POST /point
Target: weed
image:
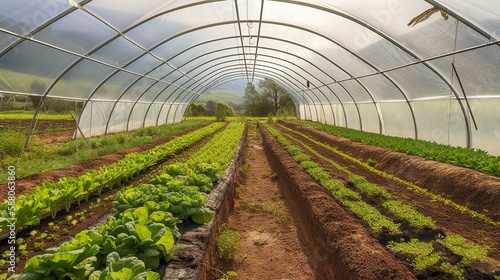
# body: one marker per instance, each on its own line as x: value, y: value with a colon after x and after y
x: 227, y: 275
x: 239, y: 192
x: 421, y: 254
x: 259, y: 242
x: 373, y: 163
x: 469, y: 251
x: 228, y: 243
x: 271, y: 175
x: 10, y: 144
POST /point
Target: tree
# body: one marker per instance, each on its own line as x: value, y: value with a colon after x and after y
x: 270, y: 98
x: 222, y: 111
x: 197, y: 110
x: 37, y: 88
x: 211, y: 106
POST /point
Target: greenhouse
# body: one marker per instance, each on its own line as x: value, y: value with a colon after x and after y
x: 392, y: 139
x: 342, y: 63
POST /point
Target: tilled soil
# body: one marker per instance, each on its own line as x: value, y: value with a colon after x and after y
x: 269, y: 246
x: 448, y: 219
x: 41, y: 125
x: 339, y: 246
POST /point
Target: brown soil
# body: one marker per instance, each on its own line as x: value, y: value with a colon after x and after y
x: 448, y: 219
x: 41, y: 125
x: 269, y: 247
x: 476, y: 190
x: 340, y: 247
x: 55, y: 137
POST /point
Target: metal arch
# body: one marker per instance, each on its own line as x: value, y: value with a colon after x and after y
x: 264, y: 71
x: 310, y: 31
x: 240, y: 73
x: 241, y: 34
x: 201, y: 79
x: 237, y: 66
x: 39, y: 28
x: 471, y: 25
x: 286, y: 61
x: 232, y: 22
x: 276, y: 58
x: 235, y: 47
x: 340, y: 68
x: 292, y: 95
x: 121, y: 34
x: 214, y: 73
x: 291, y: 54
x: 258, y: 37
x: 199, y: 83
x: 397, y: 44
x: 233, y: 77
x: 434, y: 71
x: 317, y: 53
x: 237, y: 77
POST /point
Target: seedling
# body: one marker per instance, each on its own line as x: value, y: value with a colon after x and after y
x: 228, y: 243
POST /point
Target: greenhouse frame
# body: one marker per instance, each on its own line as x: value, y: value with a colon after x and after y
x: 420, y: 69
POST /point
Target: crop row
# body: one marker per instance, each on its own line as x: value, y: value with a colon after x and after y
x: 476, y: 159
x: 144, y: 229
x: 410, y: 186
x: 221, y: 148
x: 468, y: 251
x: 401, y: 210
x: 346, y: 196
x: 49, y: 196
x: 135, y: 239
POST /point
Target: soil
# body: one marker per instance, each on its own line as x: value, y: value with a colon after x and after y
x: 41, y: 125
x: 55, y: 137
x: 448, y: 219
x: 269, y: 245
x: 340, y: 247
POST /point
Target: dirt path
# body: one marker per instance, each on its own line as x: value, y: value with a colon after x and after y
x: 269, y: 245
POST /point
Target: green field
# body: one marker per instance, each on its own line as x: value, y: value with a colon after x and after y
x: 28, y: 115
x: 228, y: 96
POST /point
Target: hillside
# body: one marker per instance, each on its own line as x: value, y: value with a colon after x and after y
x: 226, y: 95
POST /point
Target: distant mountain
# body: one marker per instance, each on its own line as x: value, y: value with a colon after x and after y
x: 223, y: 95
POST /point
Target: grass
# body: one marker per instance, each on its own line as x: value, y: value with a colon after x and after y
x: 228, y: 243
x: 28, y: 115
x: 42, y: 158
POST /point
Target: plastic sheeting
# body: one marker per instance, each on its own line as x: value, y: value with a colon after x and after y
x: 137, y: 64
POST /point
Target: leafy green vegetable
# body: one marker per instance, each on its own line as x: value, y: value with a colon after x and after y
x: 124, y: 268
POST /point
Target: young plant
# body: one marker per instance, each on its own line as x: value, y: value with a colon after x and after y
x: 228, y: 243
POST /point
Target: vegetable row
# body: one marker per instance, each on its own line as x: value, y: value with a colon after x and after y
x: 144, y: 230
x: 476, y: 159
x: 409, y: 185
x: 419, y: 257
x: 134, y: 240
x: 49, y: 196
